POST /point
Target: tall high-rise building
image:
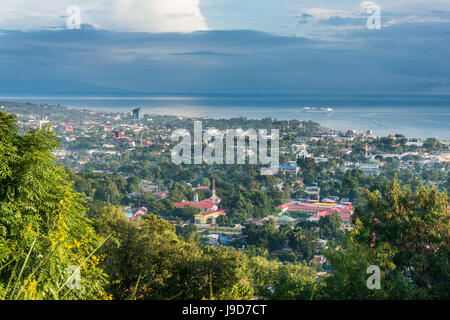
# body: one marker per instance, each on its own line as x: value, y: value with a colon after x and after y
x: 137, y: 113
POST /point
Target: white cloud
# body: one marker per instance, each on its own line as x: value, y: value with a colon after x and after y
x: 132, y: 15
x: 414, y: 6
x: 320, y: 13
x: 392, y: 12
x: 353, y: 7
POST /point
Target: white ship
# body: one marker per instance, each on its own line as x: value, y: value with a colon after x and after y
x: 318, y: 110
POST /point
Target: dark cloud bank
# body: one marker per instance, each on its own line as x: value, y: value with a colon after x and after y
x: 402, y: 59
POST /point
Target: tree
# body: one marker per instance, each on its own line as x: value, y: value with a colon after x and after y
x: 308, y: 167
x: 432, y: 144
x: 146, y: 260
x: 186, y: 212
x: 303, y: 241
x: 133, y: 183
x: 330, y: 227
x: 282, y: 282
x: 407, y: 235
x: 44, y: 231
x: 187, y: 232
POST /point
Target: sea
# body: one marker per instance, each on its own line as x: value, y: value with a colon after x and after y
x: 415, y: 116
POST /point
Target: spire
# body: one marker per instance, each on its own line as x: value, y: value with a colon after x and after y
x: 214, y: 198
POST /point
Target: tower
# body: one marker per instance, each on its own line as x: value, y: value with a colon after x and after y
x: 137, y: 114
x: 196, y: 197
x: 214, y: 197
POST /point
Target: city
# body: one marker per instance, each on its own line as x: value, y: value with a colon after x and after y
x: 224, y: 159
x: 123, y: 160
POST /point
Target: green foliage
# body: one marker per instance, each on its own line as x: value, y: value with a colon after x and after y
x: 432, y: 144
x: 187, y: 232
x: 102, y: 187
x: 303, y: 241
x: 166, y: 266
x: 186, y: 213
x: 265, y: 236
x: 407, y: 235
x: 133, y: 184
x: 330, y: 227
x: 282, y: 282
x: 43, y: 226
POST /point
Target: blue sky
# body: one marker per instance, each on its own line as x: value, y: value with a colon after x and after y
x: 225, y: 46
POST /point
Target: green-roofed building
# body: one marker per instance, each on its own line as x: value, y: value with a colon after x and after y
x: 286, y: 219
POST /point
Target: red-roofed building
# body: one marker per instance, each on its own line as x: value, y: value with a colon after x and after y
x: 209, y: 207
x: 139, y: 212
x: 202, y: 188
x: 206, y: 205
x: 146, y: 143
x: 120, y: 135
x: 318, y: 210
x: 217, y: 212
x: 345, y: 214
x: 209, y: 216
x: 162, y: 194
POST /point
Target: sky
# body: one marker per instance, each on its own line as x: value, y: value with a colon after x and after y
x: 225, y: 46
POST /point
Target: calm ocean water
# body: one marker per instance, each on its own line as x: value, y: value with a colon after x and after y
x: 413, y: 116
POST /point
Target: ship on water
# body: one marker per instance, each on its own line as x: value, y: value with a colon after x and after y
x: 318, y: 110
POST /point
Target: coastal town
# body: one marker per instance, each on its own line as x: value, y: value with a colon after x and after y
x: 225, y: 159
x: 129, y: 146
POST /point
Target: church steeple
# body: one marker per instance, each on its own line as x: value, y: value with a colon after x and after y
x: 214, y: 197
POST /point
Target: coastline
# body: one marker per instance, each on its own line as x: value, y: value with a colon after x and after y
x: 415, y: 117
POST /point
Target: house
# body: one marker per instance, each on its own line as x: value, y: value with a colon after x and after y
x: 303, y: 153
x: 344, y: 213
x: 319, y: 260
x: 134, y: 195
x: 285, y: 220
x: 321, y: 244
x: 139, y: 212
x: 346, y: 151
x: 320, y: 160
x: 370, y: 169
x: 209, y: 217
x: 162, y: 194
x: 289, y: 169
x: 298, y: 147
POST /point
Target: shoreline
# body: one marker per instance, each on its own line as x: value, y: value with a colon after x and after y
x: 413, y: 122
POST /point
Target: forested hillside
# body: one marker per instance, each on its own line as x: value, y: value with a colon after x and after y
x: 47, y: 230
